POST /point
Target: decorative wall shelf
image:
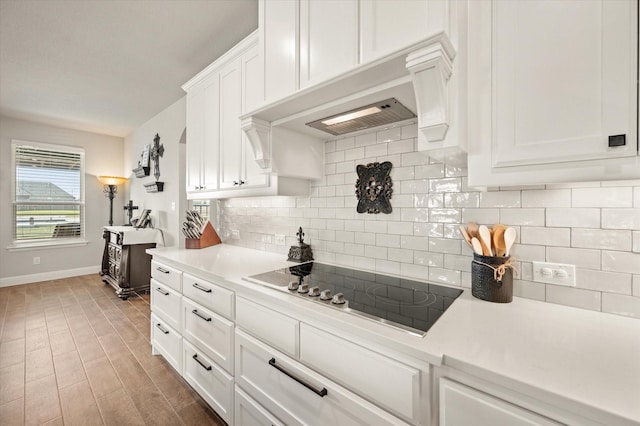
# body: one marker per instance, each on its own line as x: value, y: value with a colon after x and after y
x: 154, y: 186
x: 141, y: 171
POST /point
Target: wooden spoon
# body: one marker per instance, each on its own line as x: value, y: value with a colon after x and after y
x: 477, y: 247
x: 465, y: 235
x: 509, y: 238
x: 498, y: 239
x: 472, y: 229
x: 485, y: 239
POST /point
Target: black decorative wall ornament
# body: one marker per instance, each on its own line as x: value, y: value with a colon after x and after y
x: 373, y: 188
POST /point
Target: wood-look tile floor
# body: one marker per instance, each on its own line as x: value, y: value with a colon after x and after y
x: 73, y: 353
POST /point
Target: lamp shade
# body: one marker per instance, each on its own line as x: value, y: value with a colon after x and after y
x: 111, y: 180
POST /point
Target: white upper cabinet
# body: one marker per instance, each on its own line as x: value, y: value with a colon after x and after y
x: 230, y: 131
x: 202, y: 136
x: 552, y: 91
x: 388, y: 25
x: 278, y: 33
x: 328, y: 39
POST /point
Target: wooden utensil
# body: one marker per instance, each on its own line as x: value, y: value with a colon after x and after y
x: 509, y: 238
x: 465, y: 235
x: 477, y: 247
x: 498, y: 239
x: 485, y: 240
x: 472, y: 229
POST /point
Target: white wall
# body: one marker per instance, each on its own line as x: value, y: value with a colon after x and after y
x: 103, y: 156
x: 595, y: 226
x: 167, y: 207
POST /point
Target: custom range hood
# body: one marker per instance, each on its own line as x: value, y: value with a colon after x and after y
x: 407, y: 84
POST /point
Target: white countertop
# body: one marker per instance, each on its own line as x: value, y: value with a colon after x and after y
x: 132, y: 235
x: 553, y: 352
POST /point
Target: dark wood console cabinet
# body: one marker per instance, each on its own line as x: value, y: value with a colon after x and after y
x: 125, y: 264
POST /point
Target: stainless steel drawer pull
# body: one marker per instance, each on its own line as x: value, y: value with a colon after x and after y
x: 206, y: 367
x: 164, y: 271
x: 322, y: 392
x: 162, y: 328
x: 199, y: 287
x: 161, y: 291
x: 198, y: 314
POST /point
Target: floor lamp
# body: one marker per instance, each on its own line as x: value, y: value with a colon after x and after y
x: 110, y: 189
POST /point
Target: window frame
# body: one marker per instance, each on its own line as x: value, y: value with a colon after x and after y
x: 17, y: 244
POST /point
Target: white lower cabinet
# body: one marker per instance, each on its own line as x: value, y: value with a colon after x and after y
x: 296, y: 394
x: 248, y: 412
x: 211, y: 333
x: 461, y: 405
x: 166, y: 341
x: 210, y: 381
x: 166, y: 303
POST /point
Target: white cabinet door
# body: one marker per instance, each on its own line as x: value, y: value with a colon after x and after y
x: 461, y: 405
x: 278, y: 22
x: 230, y: 131
x: 203, y: 117
x: 328, y: 39
x: 552, y: 90
x: 390, y: 25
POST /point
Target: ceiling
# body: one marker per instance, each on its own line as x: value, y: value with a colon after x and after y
x: 108, y: 66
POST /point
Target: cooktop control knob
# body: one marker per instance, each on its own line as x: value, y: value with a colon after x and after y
x: 293, y: 285
x: 338, y: 299
x: 303, y: 288
x: 325, y: 294
x: 314, y: 292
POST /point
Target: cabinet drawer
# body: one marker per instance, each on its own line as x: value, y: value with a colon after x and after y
x: 213, y: 384
x: 363, y: 371
x: 166, y: 275
x: 209, y: 295
x: 462, y: 405
x: 165, y: 303
x: 294, y: 393
x: 167, y: 342
x: 249, y: 413
x: 209, y: 332
x: 276, y: 329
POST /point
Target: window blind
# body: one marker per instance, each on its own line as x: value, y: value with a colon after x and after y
x: 48, y: 192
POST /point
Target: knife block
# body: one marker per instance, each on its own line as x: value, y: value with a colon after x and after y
x: 208, y: 238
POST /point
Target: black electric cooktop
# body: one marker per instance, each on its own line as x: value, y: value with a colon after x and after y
x: 413, y: 306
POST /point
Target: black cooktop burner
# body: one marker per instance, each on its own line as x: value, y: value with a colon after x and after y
x: 411, y: 305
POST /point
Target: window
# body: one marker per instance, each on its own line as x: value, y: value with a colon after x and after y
x: 47, y: 193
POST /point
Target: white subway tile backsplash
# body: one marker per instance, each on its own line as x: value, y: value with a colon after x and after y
x: 445, y: 185
x: 500, y: 199
x: 594, y: 225
x: 610, y: 282
x: 601, y: 239
x: 428, y: 229
x: 347, y: 143
x: 573, y: 218
x: 621, y: 261
x: 545, y: 236
x: 582, y: 258
x: 602, y: 197
x: 547, y: 198
x: 525, y: 217
x: 621, y: 305
x: 621, y: 219
x: 579, y: 298
x: 428, y: 258
x: 387, y: 135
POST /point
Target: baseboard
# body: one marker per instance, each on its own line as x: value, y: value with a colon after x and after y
x: 46, y: 276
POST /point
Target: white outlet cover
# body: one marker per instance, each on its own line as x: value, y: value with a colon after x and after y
x: 561, y: 274
x: 280, y: 240
x: 235, y: 234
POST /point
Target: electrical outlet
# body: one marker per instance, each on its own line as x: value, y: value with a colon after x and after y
x: 280, y: 240
x: 554, y: 273
x: 235, y: 234
x: 36, y: 260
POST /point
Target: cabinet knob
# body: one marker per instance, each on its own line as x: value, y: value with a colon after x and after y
x: 242, y: 182
x: 235, y: 183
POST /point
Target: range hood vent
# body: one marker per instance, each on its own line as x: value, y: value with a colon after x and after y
x: 373, y: 115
